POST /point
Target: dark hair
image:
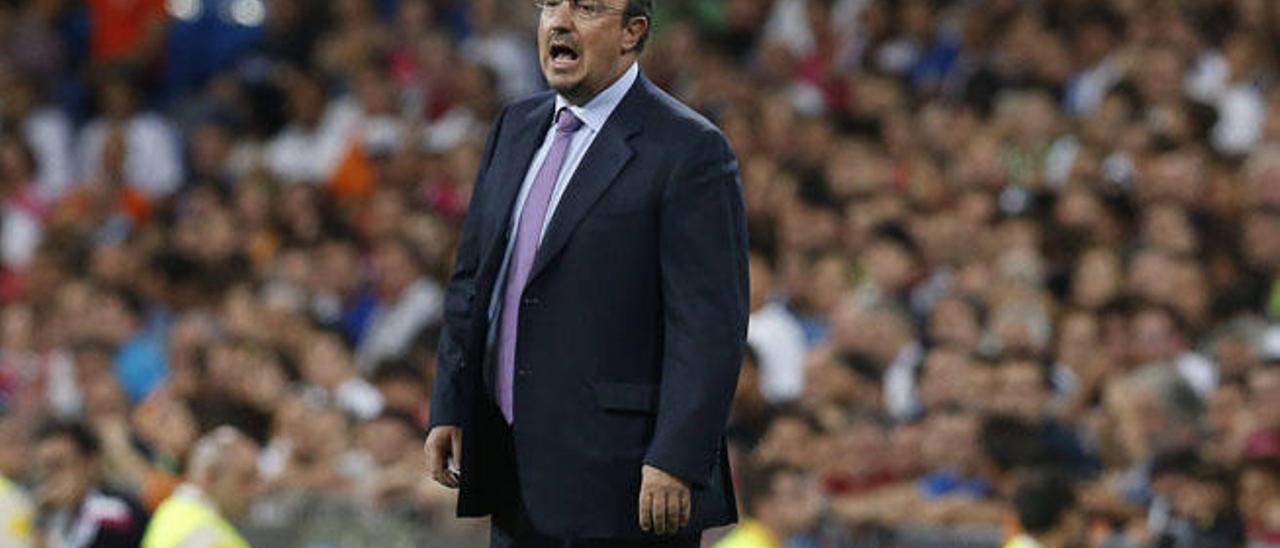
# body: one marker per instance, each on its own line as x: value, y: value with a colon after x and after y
x: 897, y: 234
x: 80, y: 436
x: 639, y: 8
x: 1042, y: 499
x: 1183, y: 461
x: 1268, y: 465
x: 1011, y: 443
x: 861, y: 365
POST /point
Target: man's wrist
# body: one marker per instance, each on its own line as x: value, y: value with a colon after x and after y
x: 682, y: 476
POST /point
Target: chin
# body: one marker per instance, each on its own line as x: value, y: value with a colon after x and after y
x: 563, y: 84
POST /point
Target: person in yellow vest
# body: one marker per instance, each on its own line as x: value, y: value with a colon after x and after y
x: 222, y: 481
x: 782, y: 505
x: 1045, y: 504
x: 17, y: 516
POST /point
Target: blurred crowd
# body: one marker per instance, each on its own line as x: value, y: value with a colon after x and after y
x: 1013, y: 270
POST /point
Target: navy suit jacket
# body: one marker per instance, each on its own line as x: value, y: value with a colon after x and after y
x: 632, y: 323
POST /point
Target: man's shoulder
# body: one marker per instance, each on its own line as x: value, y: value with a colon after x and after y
x: 666, y: 112
x: 669, y: 117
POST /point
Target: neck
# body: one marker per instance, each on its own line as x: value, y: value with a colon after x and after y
x: 581, y: 96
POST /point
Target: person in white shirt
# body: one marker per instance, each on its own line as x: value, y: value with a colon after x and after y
x: 46, y: 129
x: 776, y: 336
x: 312, y: 143
x: 21, y: 205
x: 407, y: 303
x: 153, y: 157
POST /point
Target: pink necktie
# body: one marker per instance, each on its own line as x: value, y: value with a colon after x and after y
x: 528, y: 233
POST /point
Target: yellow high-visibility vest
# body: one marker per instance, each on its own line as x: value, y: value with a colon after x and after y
x: 16, y: 516
x: 1022, y: 541
x: 749, y: 534
x: 188, y: 516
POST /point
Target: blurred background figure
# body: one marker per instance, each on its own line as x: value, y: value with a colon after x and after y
x: 1047, y: 513
x: 75, y: 507
x: 781, y: 505
x: 987, y: 237
x: 221, y: 483
x: 17, y: 511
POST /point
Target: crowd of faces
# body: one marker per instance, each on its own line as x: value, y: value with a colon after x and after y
x: 988, y: 238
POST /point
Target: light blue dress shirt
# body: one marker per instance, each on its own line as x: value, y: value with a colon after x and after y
x: 594, y: 114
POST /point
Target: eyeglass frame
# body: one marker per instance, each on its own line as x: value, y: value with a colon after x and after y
x: 575, y: 7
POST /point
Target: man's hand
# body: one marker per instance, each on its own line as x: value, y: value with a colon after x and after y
x: 444, y: 443
x: 665, y: 503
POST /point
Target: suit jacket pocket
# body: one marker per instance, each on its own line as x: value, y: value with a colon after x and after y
x: 627, y: 396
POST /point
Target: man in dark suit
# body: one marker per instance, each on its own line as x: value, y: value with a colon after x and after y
x: 596, y: 317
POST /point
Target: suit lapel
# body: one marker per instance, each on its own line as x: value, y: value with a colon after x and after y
x: 597, y: 171
x: 510, y: 175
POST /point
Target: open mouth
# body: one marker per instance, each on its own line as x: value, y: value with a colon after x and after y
x: 563, y: 55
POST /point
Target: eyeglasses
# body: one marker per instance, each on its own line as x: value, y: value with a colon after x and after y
x: 583, y: 10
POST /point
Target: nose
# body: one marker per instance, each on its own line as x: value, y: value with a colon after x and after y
x: 559, y: 18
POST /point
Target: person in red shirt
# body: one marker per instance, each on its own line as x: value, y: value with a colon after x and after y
x: 130, y: 32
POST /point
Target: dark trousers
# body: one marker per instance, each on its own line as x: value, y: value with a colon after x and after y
x: 511, y: 527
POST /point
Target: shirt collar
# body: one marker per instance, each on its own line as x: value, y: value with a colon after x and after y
x: 596, y: 112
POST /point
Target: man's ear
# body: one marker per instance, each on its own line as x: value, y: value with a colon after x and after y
x: 633, y: 31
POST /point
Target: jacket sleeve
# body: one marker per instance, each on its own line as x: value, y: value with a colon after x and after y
x: 703, y: 255
x: 450, y: 393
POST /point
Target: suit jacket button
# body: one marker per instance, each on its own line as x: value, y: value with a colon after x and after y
x: 522, y: 373
x: 531, y: 301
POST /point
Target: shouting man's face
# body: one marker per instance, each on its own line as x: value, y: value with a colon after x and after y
x: 584, y: 45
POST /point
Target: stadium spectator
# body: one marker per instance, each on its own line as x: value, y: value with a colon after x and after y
x: 127, y: 33
x: 1258, y: 499
x: 46, y: 128
x: 237, y: 213
x: 24, y: 208
x: 393, y: 442
x: 221, y: 482
x: 76, y: 509
x: 398, y: 381
x: 1205, y: 513
x: 782, y: 506
x: 150, y: 159
x: 407, y: 302
x: 775, y: 334
x: 17, y: 510
x: 1048, y: 513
